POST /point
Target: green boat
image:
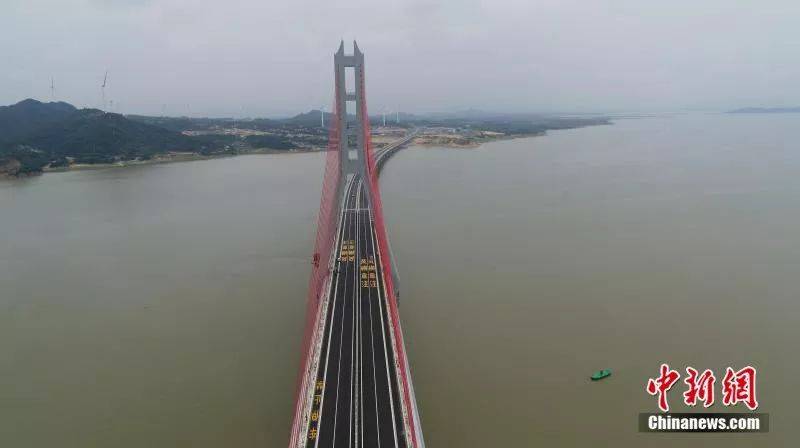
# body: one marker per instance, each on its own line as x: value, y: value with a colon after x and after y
x: 600, y: 374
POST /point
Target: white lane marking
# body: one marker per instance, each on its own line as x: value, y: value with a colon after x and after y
x: 341, y: 337
x: 360, y: 329
x: 353, y: 340
x: 342, y: 220
x: 361, y: 251
x: 374, y: 369
x: 356, y: 328
x: 383, y: 332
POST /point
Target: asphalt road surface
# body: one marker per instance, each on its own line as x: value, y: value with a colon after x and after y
x: 356, y: 398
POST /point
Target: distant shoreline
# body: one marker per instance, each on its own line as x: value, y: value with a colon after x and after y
x: 38, y: 137
x: 460, y: 142
x: 766, y: 110
x: 173, y: 157
x: 451, y: 141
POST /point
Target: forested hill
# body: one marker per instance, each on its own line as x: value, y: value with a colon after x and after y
x: 27, y: 117
x: 34, y: 135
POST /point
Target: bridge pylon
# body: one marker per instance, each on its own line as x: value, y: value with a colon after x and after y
x: 352, y: 151
x: 352, y: 122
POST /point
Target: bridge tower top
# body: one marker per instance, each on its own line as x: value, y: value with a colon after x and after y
x: 350, y: 111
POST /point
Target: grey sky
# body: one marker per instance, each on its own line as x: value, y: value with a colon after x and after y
x: 268, y: 57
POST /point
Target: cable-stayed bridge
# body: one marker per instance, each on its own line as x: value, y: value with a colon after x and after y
x: 354, y: 384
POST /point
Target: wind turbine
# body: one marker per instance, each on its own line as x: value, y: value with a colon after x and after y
x: 240, y: 117
x: 103, y: 90
x: 52, y: 89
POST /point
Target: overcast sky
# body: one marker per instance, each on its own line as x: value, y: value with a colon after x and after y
x: 274, y: 57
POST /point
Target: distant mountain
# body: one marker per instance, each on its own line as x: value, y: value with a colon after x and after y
x: 94, y: 135
x: 766, y: 110
x: 468, y: 114
x: 307, y: 120
x: 310, y: 118
x: 28, y: 116
x: 36, y: 134
x: 180, y: 124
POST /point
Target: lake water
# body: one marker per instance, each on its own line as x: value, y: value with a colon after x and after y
x: 162, y: 305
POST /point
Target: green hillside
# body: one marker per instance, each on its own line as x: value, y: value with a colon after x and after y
x: 34, y: 135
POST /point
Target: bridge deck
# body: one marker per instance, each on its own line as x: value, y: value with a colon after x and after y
x: 356, y: 401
